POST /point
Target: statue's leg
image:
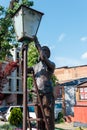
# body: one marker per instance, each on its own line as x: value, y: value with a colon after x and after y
x: 48, y: 103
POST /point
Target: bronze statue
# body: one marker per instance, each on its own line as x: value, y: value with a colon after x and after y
x: 43, y: 71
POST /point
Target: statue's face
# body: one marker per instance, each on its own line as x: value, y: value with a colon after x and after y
x: 46, y: 51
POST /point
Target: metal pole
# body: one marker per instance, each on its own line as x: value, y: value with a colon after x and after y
x: 25, y: 47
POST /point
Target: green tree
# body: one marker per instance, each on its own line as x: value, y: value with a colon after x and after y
x: 32, y: 60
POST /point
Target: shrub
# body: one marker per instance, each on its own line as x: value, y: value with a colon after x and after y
x: 16, y: 117
x: 60, y: 118
x: 60, y: 115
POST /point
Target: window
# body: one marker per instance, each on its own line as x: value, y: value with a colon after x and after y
x: 10, y: 84
x: 60, y: 92
x: 17, y: 84
x: 17, y: 55
x: 18, y: 71
x: 83, y: 93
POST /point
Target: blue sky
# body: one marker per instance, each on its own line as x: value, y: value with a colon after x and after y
x: 64, y: 29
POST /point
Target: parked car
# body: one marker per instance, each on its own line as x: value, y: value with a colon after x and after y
x: 1, y: 117
x: 57, y: 109
x: 2, y: 112
x: 3, y: 109
x: 30, y: 110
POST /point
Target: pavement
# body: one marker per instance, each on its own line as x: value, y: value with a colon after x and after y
x: 66, y: 126
x: 2, y: 122
x: 61, y: 126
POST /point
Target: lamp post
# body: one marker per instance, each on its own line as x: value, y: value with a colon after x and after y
x: 26, y: 23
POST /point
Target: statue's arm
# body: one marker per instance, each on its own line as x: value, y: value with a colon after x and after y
x: 50, y: 65
x: 37, y: 44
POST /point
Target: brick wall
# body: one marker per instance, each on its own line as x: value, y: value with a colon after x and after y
x: 65, y: 74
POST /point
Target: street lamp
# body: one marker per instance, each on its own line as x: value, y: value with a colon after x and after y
x: 26, y: 23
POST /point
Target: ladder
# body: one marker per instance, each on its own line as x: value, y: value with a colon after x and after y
x: 44, y: 119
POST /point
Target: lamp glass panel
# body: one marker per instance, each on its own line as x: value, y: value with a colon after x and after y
x: 31, y: 22
x: 18, y: 24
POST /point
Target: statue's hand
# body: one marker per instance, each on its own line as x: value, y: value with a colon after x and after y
x: 35, y: 39
x: 42, y: 55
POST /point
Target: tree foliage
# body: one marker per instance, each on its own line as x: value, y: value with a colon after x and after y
x: 4, y: 72
x: 6, y: 33
x: 32, y: 60
x: 54, y: 80
x: 32, y: 54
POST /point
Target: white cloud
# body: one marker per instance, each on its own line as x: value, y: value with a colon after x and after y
x: 84, y: 56
x: 61, y: 37
x: 83, y: 39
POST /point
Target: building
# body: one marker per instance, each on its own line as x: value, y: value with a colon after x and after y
x: 80, y: 108
x: 13, y: 88
x: 68, y: 79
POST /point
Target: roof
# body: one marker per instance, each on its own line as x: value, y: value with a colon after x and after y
x: 71, y: 66
x: 75, y: 82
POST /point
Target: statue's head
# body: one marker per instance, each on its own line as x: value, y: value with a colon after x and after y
x: 46, y: 50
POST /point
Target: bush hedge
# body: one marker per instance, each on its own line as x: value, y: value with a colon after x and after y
x: 16, y: 117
